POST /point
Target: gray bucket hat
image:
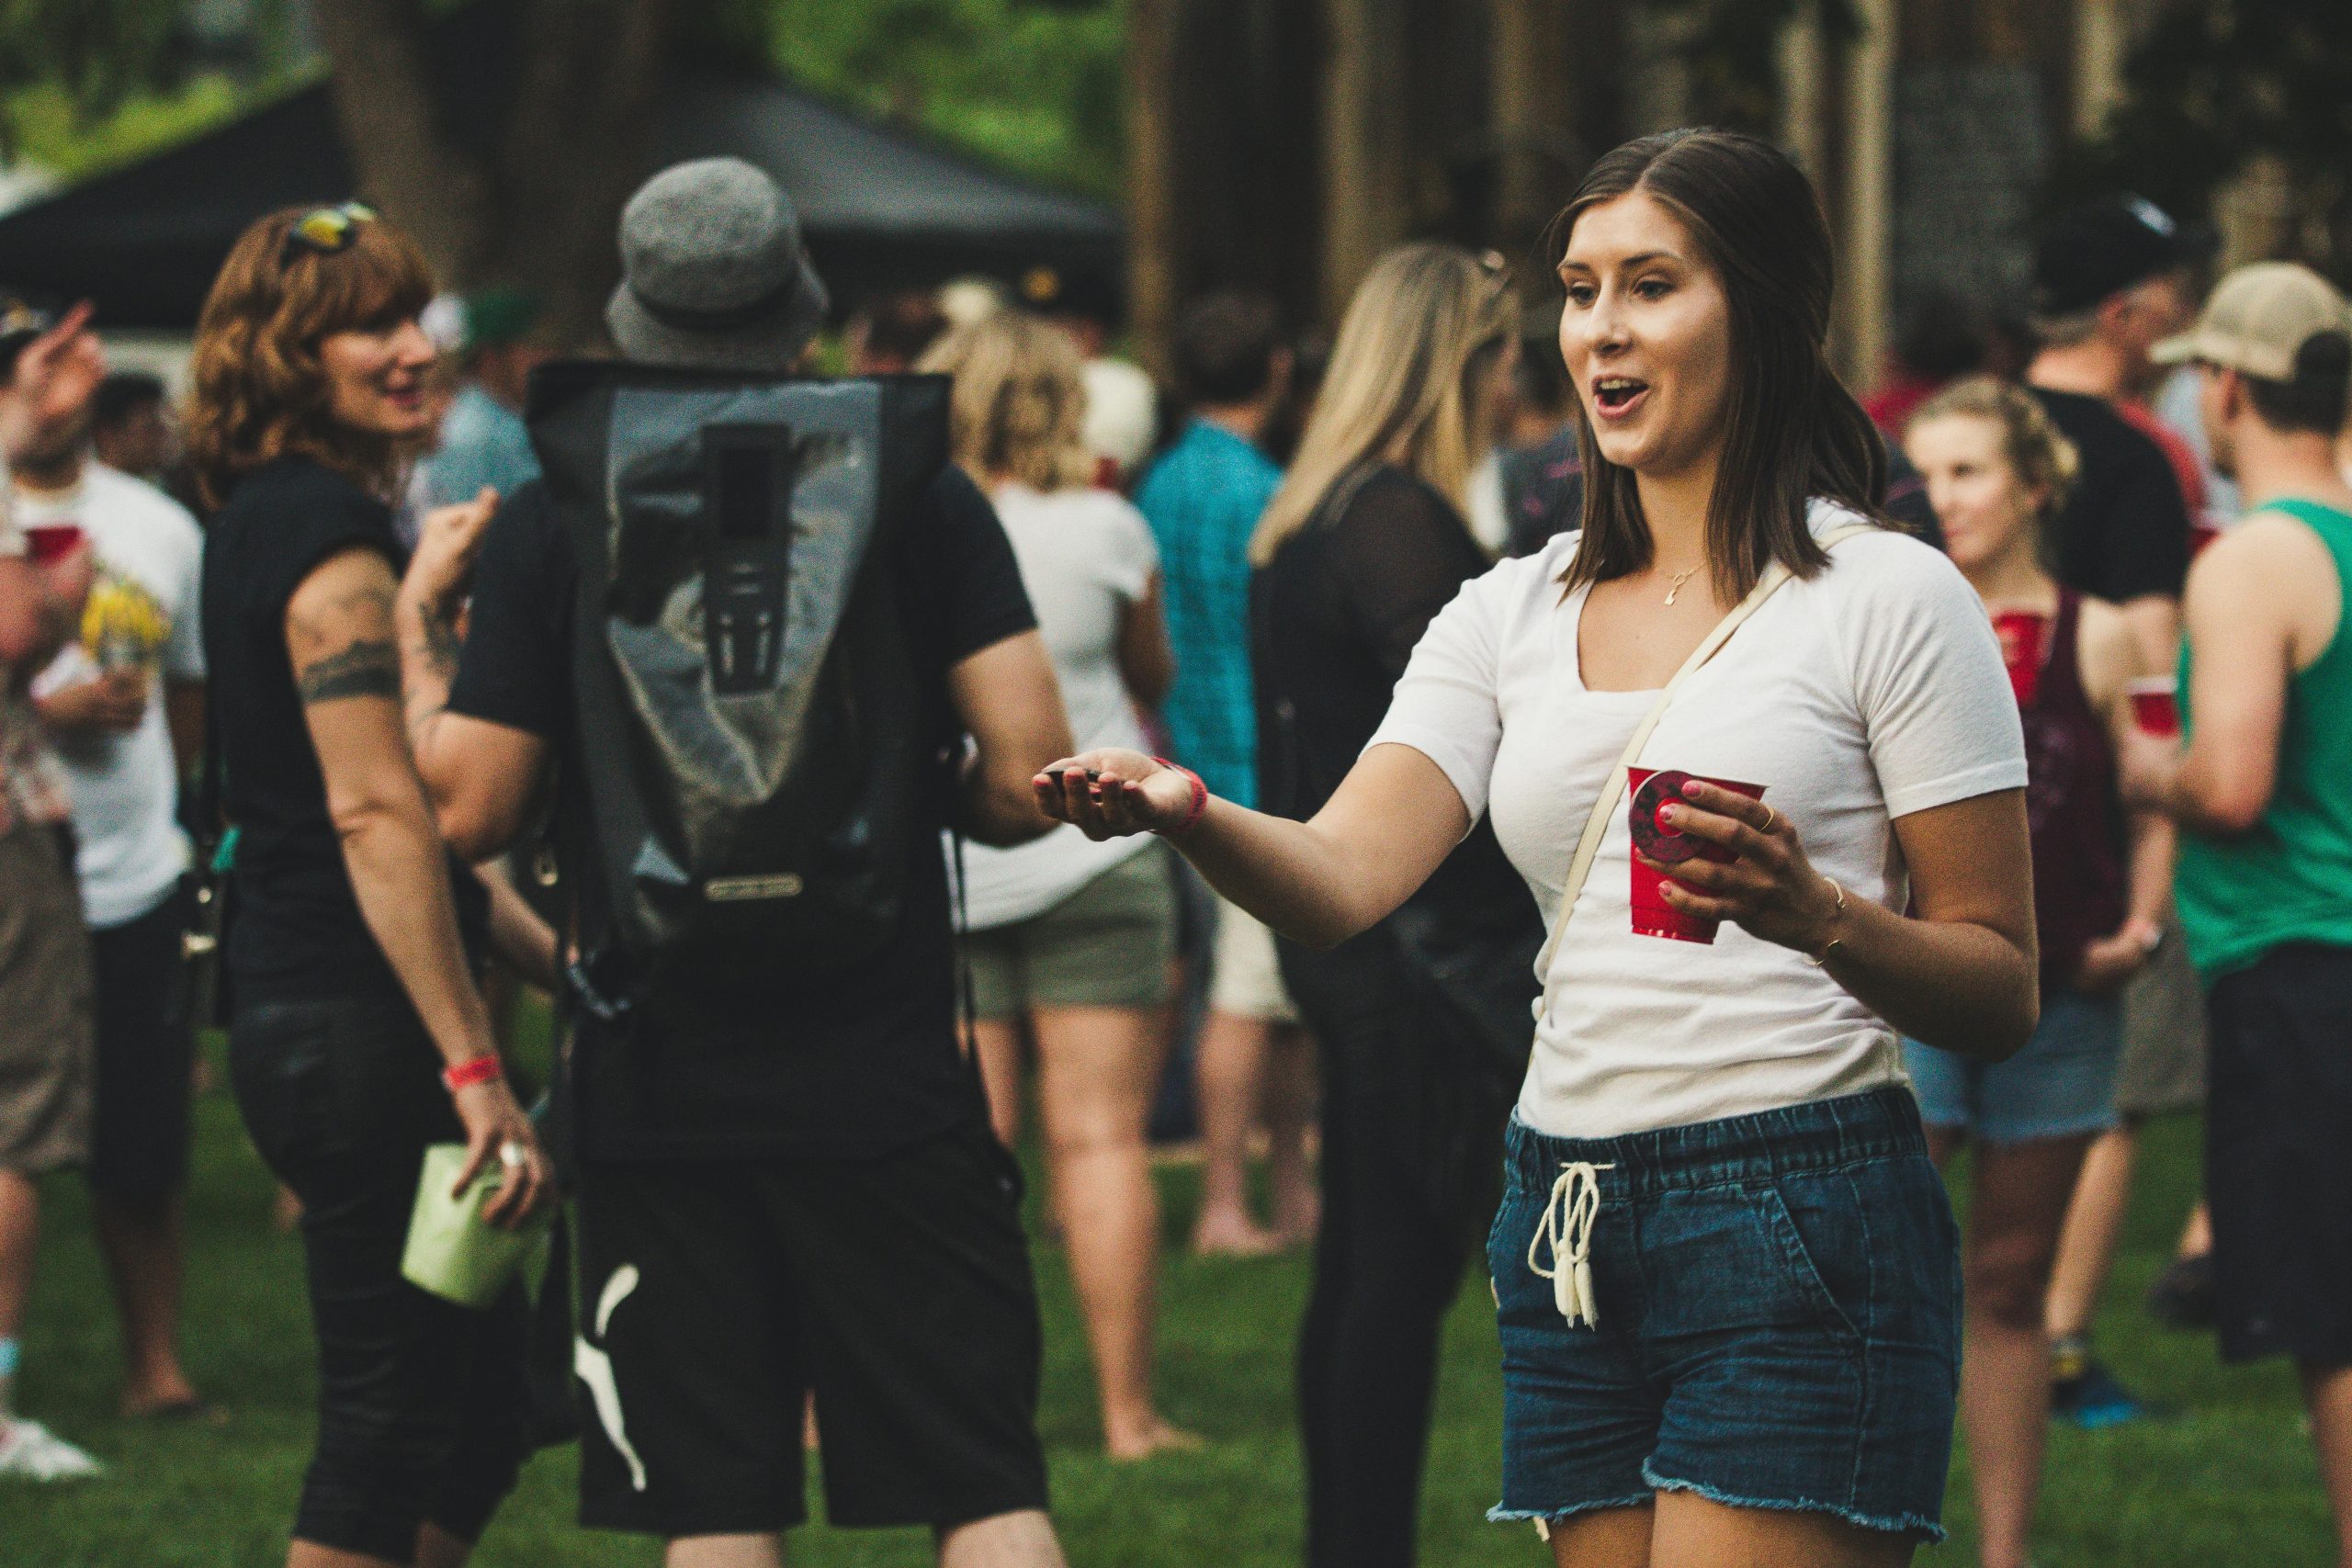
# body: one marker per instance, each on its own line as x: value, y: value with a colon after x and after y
x: 713, y: 272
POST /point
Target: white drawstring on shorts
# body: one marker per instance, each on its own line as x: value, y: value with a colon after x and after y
x: 1566, y: 1228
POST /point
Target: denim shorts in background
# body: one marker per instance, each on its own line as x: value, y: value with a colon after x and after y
x: 2061, y: 1086
x: 1778, y: 1304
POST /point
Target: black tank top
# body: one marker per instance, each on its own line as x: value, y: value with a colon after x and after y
x: 2071, y: 807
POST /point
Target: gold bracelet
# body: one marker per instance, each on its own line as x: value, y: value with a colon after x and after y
x: 1818, y: 959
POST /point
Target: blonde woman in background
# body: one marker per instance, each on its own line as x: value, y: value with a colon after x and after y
x: 1366, y: 540
x: 1071, y: 937
x: 1998, y: 470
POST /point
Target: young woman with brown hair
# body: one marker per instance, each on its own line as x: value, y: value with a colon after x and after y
x: 358, y: 1035
x: 1727, y: 1273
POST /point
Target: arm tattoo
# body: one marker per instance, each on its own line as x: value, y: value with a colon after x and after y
x: 441, y: 644
x: 363, y: 669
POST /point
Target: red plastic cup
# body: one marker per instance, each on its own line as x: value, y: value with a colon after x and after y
x: 1653, y: 916
x: 53, y: 541
x: 2025, y: 639
x: 2155, y: 704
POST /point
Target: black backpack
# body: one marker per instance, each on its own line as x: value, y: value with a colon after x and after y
x: 750, y: 717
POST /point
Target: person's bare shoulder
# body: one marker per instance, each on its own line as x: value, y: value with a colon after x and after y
x: 2107, y: 652
x: 2271, y: 571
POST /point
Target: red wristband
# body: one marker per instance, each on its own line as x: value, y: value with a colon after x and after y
x: 465, y: 1075
x: 1200, y: 800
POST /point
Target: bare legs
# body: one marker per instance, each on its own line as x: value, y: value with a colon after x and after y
x: 1250, y: 1067
x: 2094, y: 1227
x: 2327, y: 1395
x: 724, y: 1551
x: 2014, y: 1221
x: 1025, y: 1539
x: 19, y: 1227
x: 1098, y: 1069
x: 1682, y: 1529
x: 141, y: 1239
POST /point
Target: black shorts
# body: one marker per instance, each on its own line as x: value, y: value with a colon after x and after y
x: 2279, y: 1156
x: 139, y: 1138
x: 713, y: 1295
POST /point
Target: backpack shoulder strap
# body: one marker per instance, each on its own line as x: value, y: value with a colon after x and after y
x: 1612, y: 788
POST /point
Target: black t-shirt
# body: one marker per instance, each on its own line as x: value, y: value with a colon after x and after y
x: 838, y: 1063
x: 297, y: 932
x: 2123, y: 533
x: 1334, y: 619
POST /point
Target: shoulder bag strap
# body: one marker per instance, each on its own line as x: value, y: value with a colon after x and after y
x: 1612, y: 788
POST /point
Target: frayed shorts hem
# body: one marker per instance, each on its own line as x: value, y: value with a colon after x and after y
x: 1928, y: 1529
x: 1498, y: 1514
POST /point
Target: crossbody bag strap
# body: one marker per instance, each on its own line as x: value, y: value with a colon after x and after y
x: 1612, y: 788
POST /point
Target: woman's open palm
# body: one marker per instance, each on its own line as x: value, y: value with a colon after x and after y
x: 1113, y: 793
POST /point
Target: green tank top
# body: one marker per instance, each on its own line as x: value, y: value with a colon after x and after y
x: 2290, y: 879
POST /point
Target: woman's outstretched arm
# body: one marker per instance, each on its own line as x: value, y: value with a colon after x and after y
x: 1392, y: 821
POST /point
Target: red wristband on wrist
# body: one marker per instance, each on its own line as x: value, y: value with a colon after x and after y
x: 1200, y: 800
x: 465, y: 1075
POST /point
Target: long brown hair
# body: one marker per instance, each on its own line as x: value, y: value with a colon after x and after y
x: 1417, y: 337
x: 1792, y: 431
x: 259, y: 391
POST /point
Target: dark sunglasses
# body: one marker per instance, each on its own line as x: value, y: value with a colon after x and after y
x: 329, y: 231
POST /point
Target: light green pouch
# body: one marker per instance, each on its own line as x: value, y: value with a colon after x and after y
x: 451, y: 1251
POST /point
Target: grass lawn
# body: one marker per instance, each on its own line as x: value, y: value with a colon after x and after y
x: 2230, y: 1480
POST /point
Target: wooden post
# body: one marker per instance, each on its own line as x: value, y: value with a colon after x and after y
x: 1366, y: 142
x: 1864, y: 230
x: 1533, y: 114
x: 1152, y: 248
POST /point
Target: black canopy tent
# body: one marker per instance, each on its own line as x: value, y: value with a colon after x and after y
x: 880, y: 208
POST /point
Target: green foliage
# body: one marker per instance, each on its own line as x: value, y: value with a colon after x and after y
x: 50, y: 129
x: 99, y: 52
x: 1024, y: 82
x: 2212, y: 88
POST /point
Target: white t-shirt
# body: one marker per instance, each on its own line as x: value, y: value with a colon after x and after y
x: 1085, y: 556
x: 143, y: 611
x: 1871, y: 692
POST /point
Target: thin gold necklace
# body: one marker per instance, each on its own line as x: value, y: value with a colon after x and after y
x: 1679, y: 579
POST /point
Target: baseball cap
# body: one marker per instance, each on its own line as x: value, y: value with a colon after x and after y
x: 2258, y: 319
x: 2104, y: 247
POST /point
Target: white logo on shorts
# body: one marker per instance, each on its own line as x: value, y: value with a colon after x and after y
x: 594, y: 1368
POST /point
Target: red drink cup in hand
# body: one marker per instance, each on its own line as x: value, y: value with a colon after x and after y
x: 53, y: 541
x: 2025, y: 639
x: 1653, y: 788
x: 2155, y: 704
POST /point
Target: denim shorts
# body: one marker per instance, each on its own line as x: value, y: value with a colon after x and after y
x: 2061, y: 1086
x: 1776, y: 1323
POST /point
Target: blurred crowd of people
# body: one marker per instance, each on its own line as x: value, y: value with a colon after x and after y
x: 1229, y: 574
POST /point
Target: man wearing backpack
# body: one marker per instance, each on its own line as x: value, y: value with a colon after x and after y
x: 787, y: 1180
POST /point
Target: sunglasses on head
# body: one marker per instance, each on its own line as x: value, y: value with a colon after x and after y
x: 327, y: 231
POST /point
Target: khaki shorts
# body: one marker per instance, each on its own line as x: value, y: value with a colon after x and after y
x: 1246, y: 981
x: 48, y: 1059
x: 1107, y: 945
x: 2162, y: 1064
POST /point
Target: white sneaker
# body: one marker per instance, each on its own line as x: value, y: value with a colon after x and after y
x: 30, y: 1451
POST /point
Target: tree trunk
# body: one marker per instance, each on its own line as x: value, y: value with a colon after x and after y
x: 542, y: 212
x: 578, y: 142
x: 384, y: 101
